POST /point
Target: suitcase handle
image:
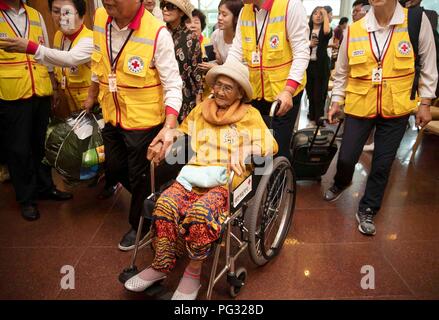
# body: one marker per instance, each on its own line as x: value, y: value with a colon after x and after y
x: 320, y: 122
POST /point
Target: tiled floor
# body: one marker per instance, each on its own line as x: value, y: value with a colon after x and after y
x: 322, y: 257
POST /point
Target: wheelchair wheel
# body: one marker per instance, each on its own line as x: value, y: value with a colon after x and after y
x: 241, y: 275
x: 268, y: 219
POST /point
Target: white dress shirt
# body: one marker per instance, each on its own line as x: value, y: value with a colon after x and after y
x: 164, y: 60
x: 428, y: 77
x: 298, y: 36
x: 19, y: 19
x: 79, y: 54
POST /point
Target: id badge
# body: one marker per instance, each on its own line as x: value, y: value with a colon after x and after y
x: 63, y: 82
x: 377, y: 75
x: 112, y: 82
x: 256, y: 58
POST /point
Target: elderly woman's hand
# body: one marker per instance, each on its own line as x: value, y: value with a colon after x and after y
x: 153, y: 152
x: 15, y: 45
x: 238, y: 158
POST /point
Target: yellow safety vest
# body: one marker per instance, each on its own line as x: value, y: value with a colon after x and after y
x: 391, y: 98
x: 138, y: 102
x: 21, y: 76
x: 78, y: 78
x: 270, y: 76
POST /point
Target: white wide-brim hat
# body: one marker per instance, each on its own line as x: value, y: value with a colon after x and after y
x: 233, y: 70
x: 184, y: 5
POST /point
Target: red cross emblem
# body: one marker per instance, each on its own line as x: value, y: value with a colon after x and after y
x: 135, y: 64
x: 274, y: 41
x: 404, y: 47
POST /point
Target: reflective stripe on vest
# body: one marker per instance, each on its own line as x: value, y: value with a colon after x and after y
x: 138, y: 103
x: 269, y: 77
x: 21, y: 76
x: 78, y: 78
x: 392, y: 97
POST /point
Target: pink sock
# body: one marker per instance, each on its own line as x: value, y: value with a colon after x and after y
x: 190, y: 282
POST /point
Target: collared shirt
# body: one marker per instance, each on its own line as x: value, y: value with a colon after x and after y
x: 428, y: 77
x: 19, y: 19
x: 164, y: 60
x: 298, y: 36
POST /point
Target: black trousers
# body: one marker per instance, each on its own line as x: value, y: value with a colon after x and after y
x: 23, y: 125
x: 316, y: 90
x: 125, y: 157
x: 282, y: 126
x: 388, y: 136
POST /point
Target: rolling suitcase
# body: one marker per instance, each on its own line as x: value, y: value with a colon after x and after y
x: 313, y: 150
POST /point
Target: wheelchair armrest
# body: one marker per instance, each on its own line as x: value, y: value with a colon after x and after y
x: 260, y: 161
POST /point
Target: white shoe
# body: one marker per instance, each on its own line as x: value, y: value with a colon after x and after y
x: 185, y: 296
x: 311, y: 124
x: 369, y: 147
x: 137, y: 284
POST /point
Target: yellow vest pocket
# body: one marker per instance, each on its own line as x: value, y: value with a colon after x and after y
x: 356, y: 101
x: 401, y: 103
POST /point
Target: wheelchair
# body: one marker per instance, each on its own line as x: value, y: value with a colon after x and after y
x: 260, y: 215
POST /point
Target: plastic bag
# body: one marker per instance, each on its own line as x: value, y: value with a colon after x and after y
x: 74, y: 147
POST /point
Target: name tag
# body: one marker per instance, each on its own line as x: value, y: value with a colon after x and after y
x: 112, y: 82
x: 63, y: 82
x: 256, y: 57
x: 377, y: 75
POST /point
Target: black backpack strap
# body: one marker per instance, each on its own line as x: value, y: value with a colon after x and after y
x: 414, y: 27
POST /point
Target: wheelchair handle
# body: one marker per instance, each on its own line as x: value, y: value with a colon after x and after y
x: 152, y: 176
x: 230, y: 190
x: 274, y: 108
x: 232, y: 175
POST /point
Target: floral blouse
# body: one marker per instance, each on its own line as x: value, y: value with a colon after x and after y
x: 188, y: 55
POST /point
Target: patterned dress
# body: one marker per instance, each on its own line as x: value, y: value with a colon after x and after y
x: 187, y: 221
x: 188, y: 55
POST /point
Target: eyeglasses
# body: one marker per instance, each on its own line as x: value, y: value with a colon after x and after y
x: 169, y: 6
x: 221, y: 86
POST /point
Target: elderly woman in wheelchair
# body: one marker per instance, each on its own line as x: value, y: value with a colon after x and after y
x: 224, y: 131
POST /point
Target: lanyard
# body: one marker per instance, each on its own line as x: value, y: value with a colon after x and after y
x: 380, y: 53
x: 62, y: 45
x: 113, y: 62
x: 17, y: 31
x: 258, y: 37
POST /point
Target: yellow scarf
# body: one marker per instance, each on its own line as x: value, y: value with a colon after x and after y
x: 214, y: 115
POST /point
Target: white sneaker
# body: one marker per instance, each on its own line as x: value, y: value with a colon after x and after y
x: 185, y: 296
x: 137, y: 284
x: 369, y: 147
x: 311, y: 124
